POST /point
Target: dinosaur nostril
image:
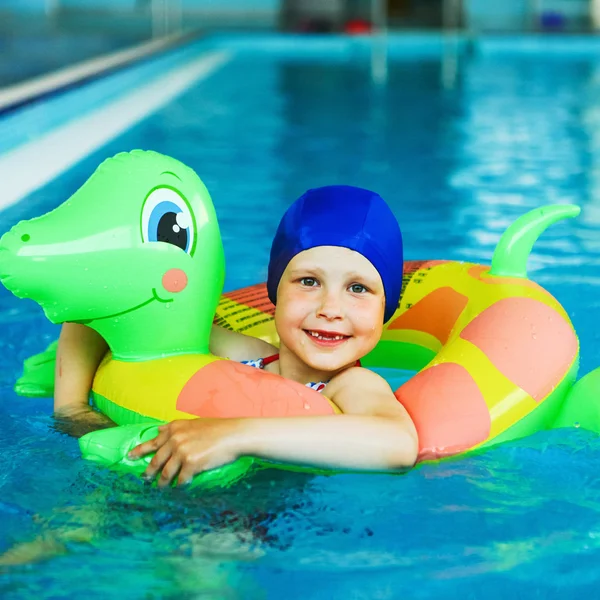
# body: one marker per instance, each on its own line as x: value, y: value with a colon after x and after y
x: 25, y: 237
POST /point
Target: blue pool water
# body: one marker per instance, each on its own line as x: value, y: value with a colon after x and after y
x: 458, y: 162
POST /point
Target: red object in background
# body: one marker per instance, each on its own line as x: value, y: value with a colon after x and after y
x: 357, y: 26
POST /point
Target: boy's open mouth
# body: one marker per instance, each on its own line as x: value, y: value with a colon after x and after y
x: 326, y: 338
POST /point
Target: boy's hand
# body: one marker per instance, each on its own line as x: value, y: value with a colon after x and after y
x: 187, y: 447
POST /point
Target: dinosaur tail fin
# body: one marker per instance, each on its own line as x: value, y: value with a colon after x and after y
x: 516, y: 243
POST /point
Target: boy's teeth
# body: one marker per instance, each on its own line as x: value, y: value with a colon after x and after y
x: 326, y: 337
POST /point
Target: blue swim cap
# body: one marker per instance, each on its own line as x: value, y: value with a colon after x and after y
x: 346, y: 216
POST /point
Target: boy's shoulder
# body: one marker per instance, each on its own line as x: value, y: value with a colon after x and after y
x: 359, y: 380
x: 359, y: 391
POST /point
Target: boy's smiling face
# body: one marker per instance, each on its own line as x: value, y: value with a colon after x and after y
x: 330, y: 307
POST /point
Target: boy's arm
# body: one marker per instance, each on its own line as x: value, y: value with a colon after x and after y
x: 80, y: 350
x: 378, y: 434
x: 374, y: 432
x: 238, y: 346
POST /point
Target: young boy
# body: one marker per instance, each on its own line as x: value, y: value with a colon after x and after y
x: 335, y: 276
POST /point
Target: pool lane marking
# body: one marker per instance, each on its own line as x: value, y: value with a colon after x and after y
x: 33, y: 164
x: 44, y: 84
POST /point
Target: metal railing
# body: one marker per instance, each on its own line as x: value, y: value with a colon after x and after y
x: 379, y: 22
x: 452, y: 19
x: 167, y: 18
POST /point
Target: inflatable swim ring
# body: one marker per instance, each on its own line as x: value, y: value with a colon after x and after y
x: 129, y: 254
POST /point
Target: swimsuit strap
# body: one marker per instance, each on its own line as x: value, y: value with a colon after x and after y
x: 270, y: 359
x: 261, y: 363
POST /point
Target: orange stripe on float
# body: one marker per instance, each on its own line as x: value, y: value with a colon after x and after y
x: 434, y: 314
x: 447, y: 408
x: 527, y: 341
x: 226, y: 389
x: 506, y: 402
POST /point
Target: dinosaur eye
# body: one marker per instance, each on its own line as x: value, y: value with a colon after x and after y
x: 167, y: 218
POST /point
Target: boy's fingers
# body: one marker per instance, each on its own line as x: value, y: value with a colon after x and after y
x: 186, y: 474
x: 147, y: 447
x: 169, y: 471
x: 158, y: 461
x: 141, y: 450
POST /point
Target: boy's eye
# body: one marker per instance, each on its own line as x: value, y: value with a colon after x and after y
x: 309, y: 281
x: 357, y: 288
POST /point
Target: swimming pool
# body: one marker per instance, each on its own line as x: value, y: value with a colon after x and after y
x: 36, y: 48
x: 458, y: 160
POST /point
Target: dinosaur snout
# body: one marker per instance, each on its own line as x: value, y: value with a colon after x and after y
x: 18, y: 273
x: 9, y: 246
x: 3, y: 261
x: 6, y: 255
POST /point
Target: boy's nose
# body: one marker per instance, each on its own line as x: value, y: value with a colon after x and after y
x: 330, y: 307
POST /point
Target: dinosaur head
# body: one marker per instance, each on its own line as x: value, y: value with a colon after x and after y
x: 135, y: 253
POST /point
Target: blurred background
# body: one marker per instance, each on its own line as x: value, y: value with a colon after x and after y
x: 38, y: 36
